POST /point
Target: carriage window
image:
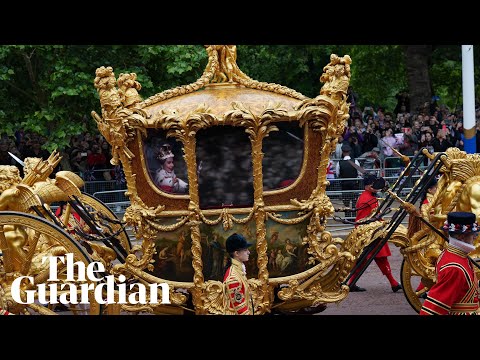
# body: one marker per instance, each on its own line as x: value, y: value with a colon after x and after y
x: 165, y: 163
x: 283, y: 157
x: 224, y: 167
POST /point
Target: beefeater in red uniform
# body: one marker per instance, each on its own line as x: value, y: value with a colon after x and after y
x: 238, y: 299
x: 366, y: 205
x: 456, y: 290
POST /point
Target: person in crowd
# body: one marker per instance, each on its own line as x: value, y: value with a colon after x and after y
x: 371, y: 160
x: 354, y: 138
x: 106, y: 149
x: 440, y: 143
x: 338, y: 148
x: 370, y: 140
x: 330, y: 169
x: 366, y: 206
x: 348, y: 169
x: 416, y: 133
x: 433, y: 123
x: 426, y: 141
x: 78, y: 161
x: 34, y: 149
x: 97, y: 161
x: 408, y: 148
x: 238, y: 298
x: 456, y: 136
x: 456, y: 289
x: 388, y: 143
x: 356, y: 145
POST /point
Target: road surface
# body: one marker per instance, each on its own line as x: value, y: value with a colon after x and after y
x: 379, y: 299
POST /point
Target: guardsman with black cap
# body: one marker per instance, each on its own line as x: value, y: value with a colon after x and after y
x: 237, y: 293
x: 366, y: 205
x: 456, y: 289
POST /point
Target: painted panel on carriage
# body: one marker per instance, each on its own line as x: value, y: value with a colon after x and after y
x: 173, y: 260
x: 214, y: 255
x: 286, y: 254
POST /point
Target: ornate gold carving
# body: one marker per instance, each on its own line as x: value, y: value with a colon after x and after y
x: 336, y: 77
x: 227, y: 219
x: 290, y: 221
x: 127, y: 88
x: 118, y: 124
x: 109, y: 97
x: 212, y: 297
x: 37, y: 169
x: 227, y: 55
x: 9, y: 176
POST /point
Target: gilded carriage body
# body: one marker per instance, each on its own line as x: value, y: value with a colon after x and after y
x: 249, y: 157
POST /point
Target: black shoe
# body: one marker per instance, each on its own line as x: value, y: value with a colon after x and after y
x: 356, y: 288
x: 423, y: 296
x: 396, y: 288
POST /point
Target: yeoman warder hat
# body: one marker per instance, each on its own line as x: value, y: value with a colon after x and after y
x: 461, y: 223
x: 236, y: 242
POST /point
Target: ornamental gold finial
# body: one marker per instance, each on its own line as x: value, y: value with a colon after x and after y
x: 37, y: 169
x: 127, y: 88
x: 227, y: 59
x: 109, y: 97
x: 336, y: 77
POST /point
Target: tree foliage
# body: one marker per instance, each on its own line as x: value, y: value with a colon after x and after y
x: 49, y: 89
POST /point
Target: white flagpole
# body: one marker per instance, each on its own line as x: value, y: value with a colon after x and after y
x: 468, y: 93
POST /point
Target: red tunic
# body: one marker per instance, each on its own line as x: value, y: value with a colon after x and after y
x: 456, y: 289
x: 237, y: 294
x: 367, y: 203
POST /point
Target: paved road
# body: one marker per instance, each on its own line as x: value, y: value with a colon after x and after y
x: 379, y: 298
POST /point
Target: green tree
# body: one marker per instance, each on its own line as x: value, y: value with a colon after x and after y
x: 48, y: 89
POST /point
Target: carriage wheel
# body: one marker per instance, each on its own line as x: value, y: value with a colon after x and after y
x: 410, y: 281
x: 101, y: 207
x: 38, y: 233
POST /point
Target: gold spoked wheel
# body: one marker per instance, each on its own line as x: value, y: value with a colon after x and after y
x: 105, y: 218
x: 24, y: 241
x: 106, y: 211
x: 410, y: 282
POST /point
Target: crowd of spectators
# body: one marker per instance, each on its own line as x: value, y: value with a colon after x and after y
x: 401, y: 131
x: 87, y: 155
